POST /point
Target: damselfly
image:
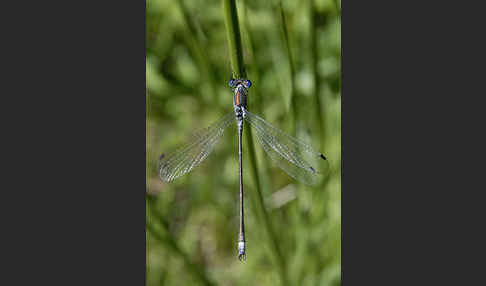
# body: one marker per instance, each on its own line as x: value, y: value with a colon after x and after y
x: 293, y: 156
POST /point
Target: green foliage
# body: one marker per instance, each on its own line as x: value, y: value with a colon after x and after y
x: 192, y: 223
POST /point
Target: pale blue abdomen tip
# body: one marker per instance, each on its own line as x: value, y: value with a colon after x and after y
x: 241, y: 250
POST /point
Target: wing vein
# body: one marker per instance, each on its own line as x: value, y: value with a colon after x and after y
x: 193, y: 153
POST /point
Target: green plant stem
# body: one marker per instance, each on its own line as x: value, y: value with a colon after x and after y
x: 261, y: 212
x: 315, y: 71
x: 198, y: 50
x: 293, y: 96
x: 249, y: 43
x: 236, y: 56
x: 258, y: 99
x: 234, y: 38
x: 337, y: 4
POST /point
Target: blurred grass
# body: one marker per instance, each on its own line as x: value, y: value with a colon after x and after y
x: 192, y: 223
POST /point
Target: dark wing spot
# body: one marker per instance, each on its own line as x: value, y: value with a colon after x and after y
x: 312, y: 169
x: 322, y: 156
x: 161, y: 156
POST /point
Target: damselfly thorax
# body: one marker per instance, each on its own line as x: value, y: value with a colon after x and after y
x: 240, y: 89
x: 239, y: 98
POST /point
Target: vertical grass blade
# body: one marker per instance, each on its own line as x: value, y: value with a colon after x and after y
x: 198, y: 48
x: 256, y: 97
x: 234, y: 38
x: 253, y: 61
x: 293, y: 96
x: 236, y: 56
x: 262, y: 215
x: 315, y: 72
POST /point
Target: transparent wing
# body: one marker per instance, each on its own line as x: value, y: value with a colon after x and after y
x: 293, y: 156
x: 183, y: 160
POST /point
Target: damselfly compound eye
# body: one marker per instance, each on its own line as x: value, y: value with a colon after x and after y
x: 247, y: 83
x: 231, y: 82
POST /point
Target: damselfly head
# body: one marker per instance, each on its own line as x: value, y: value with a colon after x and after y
x: 233, y: 83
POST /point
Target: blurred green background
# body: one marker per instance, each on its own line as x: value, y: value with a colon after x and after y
x: 192, y: 223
